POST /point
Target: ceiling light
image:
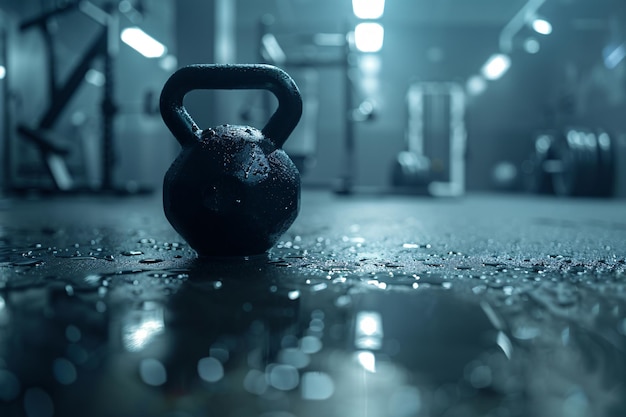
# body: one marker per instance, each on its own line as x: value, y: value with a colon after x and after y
x: 368, y: 9
x: 496, y: 66
x: 143, y: 43
x: 368, y: 37
x: 542, y: 26
x: 3, y: 72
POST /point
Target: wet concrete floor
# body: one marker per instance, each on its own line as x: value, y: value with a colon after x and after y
x: 368, y: 306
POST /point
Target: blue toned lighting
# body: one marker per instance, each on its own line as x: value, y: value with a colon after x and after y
x: 367, y: 360
x: 476, y: 85
x: 143, y: 43
x: 613, y: 55
x: 368, y: 9
x: 542, y: 26
x: 369, y: 36
x: 532, y: 46
x: 496, y: 66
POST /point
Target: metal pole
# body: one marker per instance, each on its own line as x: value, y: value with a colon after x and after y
x: 347, y: 178
x: 109, y: 108
x: 517, y: 23
x: 7, y: 182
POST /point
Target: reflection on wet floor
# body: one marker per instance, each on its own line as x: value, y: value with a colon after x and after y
x: 343, y: 318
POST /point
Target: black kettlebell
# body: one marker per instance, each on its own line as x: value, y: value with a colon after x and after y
x: 232, y: 191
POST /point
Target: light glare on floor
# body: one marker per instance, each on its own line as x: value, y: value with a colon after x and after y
x: 143, y: 43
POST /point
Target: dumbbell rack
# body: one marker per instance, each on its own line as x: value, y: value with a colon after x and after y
x: 575, y: 162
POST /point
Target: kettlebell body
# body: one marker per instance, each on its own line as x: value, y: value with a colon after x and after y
x: 232, y: 190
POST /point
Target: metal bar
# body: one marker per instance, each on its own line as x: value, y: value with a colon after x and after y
x: 86, y: 7
x: 42, y: 139
x: 347, y: 179
x: 75, y: 79
x: 271, y: 49
x: 455, y: 186
x: 94, y: 12
x: 415, y: 128
x: 58, y: 171
x: 517, y: 23
x: 7, y: 165
x: 52, y: 66
x: 264, y: 29
x: 109, y: 107
x: 43, y: 18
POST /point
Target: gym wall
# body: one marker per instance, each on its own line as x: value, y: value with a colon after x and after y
x: 565, y: 83
x: 144, y: 149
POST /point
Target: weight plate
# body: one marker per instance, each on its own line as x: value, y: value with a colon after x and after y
x: 538, y: 180
x: 589, y: 163
x: 605, y: 186
x: 569, y: 150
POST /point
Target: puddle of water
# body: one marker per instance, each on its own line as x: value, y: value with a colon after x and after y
x: 320, y: 324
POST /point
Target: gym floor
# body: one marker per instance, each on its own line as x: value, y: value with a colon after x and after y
x: 487, y: 305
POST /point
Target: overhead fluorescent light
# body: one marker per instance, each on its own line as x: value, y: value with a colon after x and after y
x: 3, y: 72
x: 542, y: 26
x: 369, y: 36
x: 496, y: 66
x: 143, y: 43
x: 368, y: 9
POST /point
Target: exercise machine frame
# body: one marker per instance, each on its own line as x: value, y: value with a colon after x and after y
x: 104, y: 46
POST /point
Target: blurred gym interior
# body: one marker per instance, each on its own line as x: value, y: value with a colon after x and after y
x: 460, y: 244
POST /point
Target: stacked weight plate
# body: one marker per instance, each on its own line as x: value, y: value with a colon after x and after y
x: 575, y: 162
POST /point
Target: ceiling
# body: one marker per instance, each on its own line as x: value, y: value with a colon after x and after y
x: 396, y: 11
x: 419, y: 12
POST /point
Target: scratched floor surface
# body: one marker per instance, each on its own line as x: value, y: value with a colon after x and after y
x: 369, y: 306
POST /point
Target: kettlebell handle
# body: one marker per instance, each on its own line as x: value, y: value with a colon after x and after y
x: 231, y: 77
